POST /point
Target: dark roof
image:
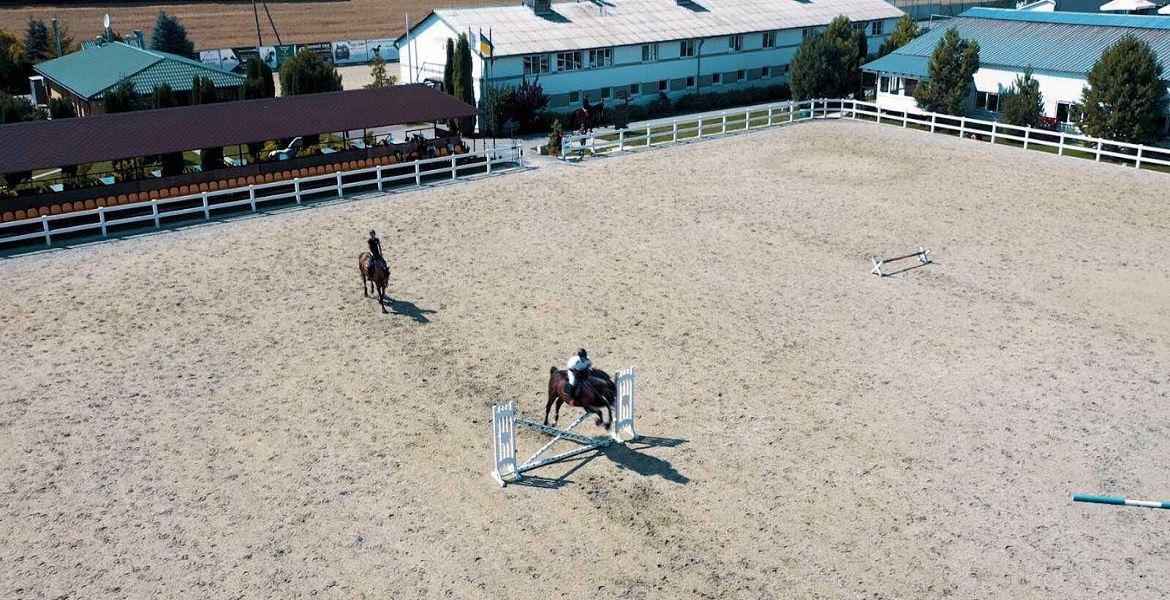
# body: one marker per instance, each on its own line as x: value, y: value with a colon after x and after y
x: 47, y: 144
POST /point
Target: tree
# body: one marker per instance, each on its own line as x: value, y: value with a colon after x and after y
x: 817, y: 71
x: 1023, y: 104
x: 15, y: 110
x: 308, y: 73
x: 170, y: 36
x: 121, y: 98
x: 951, y: 68
x: 38, y: 43
x: 464, y: 84
x: 378, y: 73
x: 60, y: 108
x: 527, y: 102
x: 13, y: 69
x: 852, y: 46
x: 449, y: 78
x: 904, y: 32
x: 259, y: 83
x: 1126, y: 95
x: 163, y: 97
x: 203, y: 92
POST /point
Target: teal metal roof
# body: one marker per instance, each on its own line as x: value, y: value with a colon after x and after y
x: 1053, y: 42
x: 89, y: 73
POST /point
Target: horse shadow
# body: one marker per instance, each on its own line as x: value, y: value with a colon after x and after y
x: 408, y: 309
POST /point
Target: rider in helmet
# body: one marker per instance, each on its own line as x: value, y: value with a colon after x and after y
x: 577, y: 367
x: 376, y: 250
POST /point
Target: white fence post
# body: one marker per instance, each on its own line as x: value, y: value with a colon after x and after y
x: 700, y: 128
x: 771, y: 110
x: 45, y: 226
x: 206, y: 208
x: 489, y: 155
x: 252, y: 196
x: 1060, y: 148
x: 154, y: 207
x: 622, y: 140
x: 932, y: 117
x: 723, y: 127
x: 377, y: 173
x: 994, y: 130
x: 962, y: 126
x: 1027, y: 136
x: 340, y: 190
x: 1099, y: 144
x: 791, y: 111
x: 454, y: 168
x: 418, y: 173
x: 102, y: 219
x: 673, y: 133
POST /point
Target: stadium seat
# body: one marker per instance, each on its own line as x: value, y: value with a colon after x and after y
x: 46, y: 211
x: 90, y: 205
x: 122, y: 199
x: 78, y: 206
x: 8, y: 216
x: 20, y: 216
x: 55, y: 209
x: 203, y: 187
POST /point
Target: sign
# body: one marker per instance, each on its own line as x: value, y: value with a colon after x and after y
x: 323, y: 49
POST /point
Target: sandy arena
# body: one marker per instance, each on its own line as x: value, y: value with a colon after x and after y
x: 217, y: 412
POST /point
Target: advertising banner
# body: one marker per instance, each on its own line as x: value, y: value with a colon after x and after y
x: 284, y: 53
x: 242, y: 56
x: 350, y: 52
x: 209, y: 58
x: 323, y: 49
x: 384, y: 47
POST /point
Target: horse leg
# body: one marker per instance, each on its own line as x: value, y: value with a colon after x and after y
x: 382, y: 299
x: 596, y: 411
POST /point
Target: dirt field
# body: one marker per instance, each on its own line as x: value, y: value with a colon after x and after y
x: 216, y: 412
x: 227, y: 24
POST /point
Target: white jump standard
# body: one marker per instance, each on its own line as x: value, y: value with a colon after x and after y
x: 504, y: 421
x: 923, y: 256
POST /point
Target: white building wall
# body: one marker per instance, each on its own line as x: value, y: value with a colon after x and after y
x: 425, y: 53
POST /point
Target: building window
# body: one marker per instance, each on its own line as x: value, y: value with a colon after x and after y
x: 649, y: 52
x: 807, y: 31
x: 686, y: 48
x: 784, y: 69
x: 536, y: 64
x: 662, y: 85
x: 735, y: 42
x: 602, y: 57
x: 884, y: 84
x: 908, y: 86
x: 574, y: 97
x: 857, y: 26
x: 739, y: 75
x: 715, y: 78
x: 604, y: 93
x: 764, y: 72
x: 769, y: 39
x: 988, y: 101
x: 877, y: 27
x: 568, y: 61
x: 635, y: 89
x: 1066, y: 112
x: 691, y: 81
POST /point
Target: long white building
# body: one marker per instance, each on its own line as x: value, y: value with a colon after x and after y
x: 608, y: 48
x: 1061, y: 48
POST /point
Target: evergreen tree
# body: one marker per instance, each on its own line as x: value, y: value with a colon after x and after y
x: 15, y: 110
x: 39, y: 45
x: 163, y: 97
x: 1023, y: 104
x: 170, y: 36
x: 1126, y: 95
x: 852, y: 46
x: 378, y: 73
x: 60, y: 108
x: 904, y: 31
x: 527, y: 103
x: 13, y: 69
x: 121, y: 99
x: 464, y: 84
x: 449, y: 79
x: 951, y: 68
x: 817, y: 70
x: 259, y: 82
x: 308, y: 73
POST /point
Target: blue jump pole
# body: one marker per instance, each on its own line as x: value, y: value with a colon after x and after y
x: 1122, y: 501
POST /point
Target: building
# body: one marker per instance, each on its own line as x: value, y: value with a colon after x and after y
x: 85, y: 76
x: 631, y: 48
x: 1061, y: 48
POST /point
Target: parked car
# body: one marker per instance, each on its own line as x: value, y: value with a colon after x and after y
x: 285, y: 153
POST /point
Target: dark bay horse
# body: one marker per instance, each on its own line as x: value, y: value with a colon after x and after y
x: 377, y: 278
x: 593, y: 394
x: 587, y: 120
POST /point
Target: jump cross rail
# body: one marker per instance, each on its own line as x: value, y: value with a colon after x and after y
x: 1121, y: 501
x: 923, y: 256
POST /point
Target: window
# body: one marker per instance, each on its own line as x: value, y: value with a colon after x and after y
x: 807, y: 31
x: 769, y: 39
x: 715, y: 78
x: 884, y: 84
x: 784, y: 69
x: 686, y: 48
x: 662, y: 85
x: 764, y: 72
x: 635, y: 89
x: 602, y: 57
x: 857, y: 26
x: 649, y: 52
x: 574, y: 97
x: 735, y: 42
x: 739, y: 75
x: 536, y: 64
x: 568, y: 61
x: 604, y: 93
x: 877, y: 27
x: 1067, y: 112
x: 987, y: 100
x: 908, y: 86
x: 691, y: 81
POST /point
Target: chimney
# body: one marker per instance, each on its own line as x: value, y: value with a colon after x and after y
x: 540, y: 7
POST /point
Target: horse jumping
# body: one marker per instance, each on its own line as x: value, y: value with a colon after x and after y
x: 595, y: 392
x: 377, y: 278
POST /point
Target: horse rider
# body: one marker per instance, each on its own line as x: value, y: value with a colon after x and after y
x: 376, y: 250
x: 577, y: 368
x: 587, y: 106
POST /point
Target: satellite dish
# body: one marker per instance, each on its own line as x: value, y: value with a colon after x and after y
x: 106, y: 20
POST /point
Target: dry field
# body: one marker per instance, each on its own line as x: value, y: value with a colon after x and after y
x: 216, y: 412
x: 228, y: 24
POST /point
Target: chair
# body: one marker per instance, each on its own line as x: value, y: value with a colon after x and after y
x: 78, y: 206
x: 269, y: 178
x: 122, y: 199
x: 56, y: 209
x: 203, y: 187
x: 184, y: 190
x: 20, y: 215
x: 153, y: 195
x: 213, y: 186
x: 90, y: 205
x: 133, y: 197
x: 46, y: 211
x: 101, y: 203
x: 174, y: 192
x: 8, y: 216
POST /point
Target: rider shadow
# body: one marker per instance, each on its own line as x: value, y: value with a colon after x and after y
x: 409, y: 309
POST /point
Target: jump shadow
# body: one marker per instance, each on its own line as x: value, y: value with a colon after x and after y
x: 409, y: 309
x: 910, y: 268
x: 628, y: 456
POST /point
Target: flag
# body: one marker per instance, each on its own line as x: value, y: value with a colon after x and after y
x: 485, y: 45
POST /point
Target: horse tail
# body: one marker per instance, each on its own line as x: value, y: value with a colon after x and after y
x: 552, y: 370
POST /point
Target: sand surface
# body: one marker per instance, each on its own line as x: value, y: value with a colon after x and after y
x: 217, y: 412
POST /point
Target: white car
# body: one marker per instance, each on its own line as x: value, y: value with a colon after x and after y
x: 286, y: 153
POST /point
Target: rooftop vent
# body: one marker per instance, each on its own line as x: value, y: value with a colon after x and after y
x: 540, y: 7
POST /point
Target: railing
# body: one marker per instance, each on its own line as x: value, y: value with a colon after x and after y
x: 1064, y: 143
x: 203, y: 206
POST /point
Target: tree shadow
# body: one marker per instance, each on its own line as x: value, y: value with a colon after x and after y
x: 408, y: 309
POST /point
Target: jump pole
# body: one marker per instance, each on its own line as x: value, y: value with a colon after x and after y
x: 923, y: 256
x: 1120, y: 501
x: 505, y: 420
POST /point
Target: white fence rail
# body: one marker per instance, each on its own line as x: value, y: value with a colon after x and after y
x: 782, y: 113
x: 205, y: 205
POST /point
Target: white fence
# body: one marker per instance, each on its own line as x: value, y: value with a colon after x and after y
x: 206, y: 205
x: 782, y: 113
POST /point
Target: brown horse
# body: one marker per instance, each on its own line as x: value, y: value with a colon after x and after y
x: 594, y: 393
x: 377, y: 278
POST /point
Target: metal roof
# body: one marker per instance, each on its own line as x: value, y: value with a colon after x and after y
x: 88, y: 73
x: 1053, y: 42
x: 62, y: 142
x: 608, y: 23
